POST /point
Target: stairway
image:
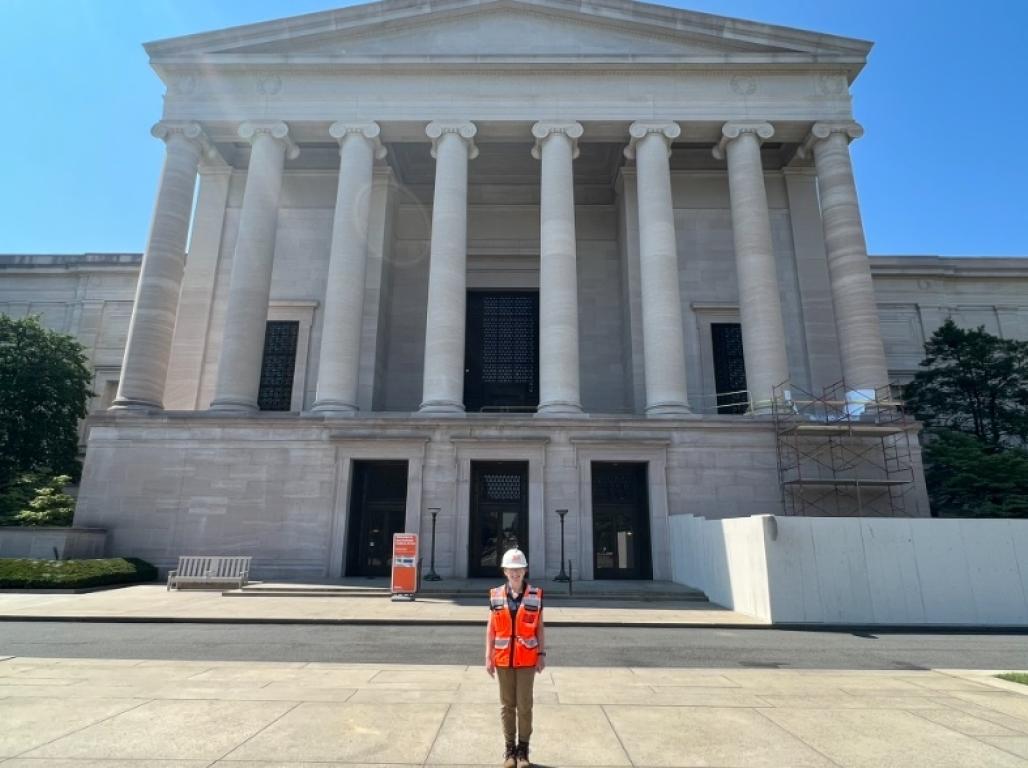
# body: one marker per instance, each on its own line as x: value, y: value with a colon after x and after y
x: 478, y: 589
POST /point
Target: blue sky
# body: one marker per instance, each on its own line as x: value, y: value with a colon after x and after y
x: 944, y: 98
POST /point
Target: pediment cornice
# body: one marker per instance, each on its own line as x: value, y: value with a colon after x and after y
x: 704, y: 40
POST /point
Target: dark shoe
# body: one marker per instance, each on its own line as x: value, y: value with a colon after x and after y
x: 522, y: 756
x: 510, y: 756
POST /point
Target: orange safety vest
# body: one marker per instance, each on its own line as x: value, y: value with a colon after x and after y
x: 522, y: 635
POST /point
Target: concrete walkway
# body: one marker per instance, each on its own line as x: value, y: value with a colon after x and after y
x: 152, y: 602
x: 81, y: 713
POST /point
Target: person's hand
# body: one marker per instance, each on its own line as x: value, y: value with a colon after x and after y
x: 540, y: 664
x: 490, y: 667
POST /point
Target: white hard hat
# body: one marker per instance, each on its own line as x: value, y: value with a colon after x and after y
x: 514, y: 558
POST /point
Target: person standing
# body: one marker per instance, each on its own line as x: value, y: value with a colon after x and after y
x: 515, y: 653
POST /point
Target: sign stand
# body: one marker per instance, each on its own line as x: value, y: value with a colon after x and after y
x: 404, y: 580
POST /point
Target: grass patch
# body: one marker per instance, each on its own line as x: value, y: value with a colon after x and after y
x: 18, y: 573
x: 1015, y: 677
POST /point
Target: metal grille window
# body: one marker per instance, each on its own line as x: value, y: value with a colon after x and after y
x: 616, y: 483
x: 729, y: 367
x: 508, y: 339
x: 276, y: 389
x: 502, y: 487
x: 502, y: 350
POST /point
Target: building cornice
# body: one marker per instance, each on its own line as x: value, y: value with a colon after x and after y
x: 949, y: 266
x: 640, y: 17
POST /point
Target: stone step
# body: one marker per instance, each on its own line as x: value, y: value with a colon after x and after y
x: 436, y: 591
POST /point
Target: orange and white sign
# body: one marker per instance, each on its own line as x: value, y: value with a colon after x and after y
x: 405, y: 564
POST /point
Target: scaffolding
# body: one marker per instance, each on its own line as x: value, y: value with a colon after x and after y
x: 844, y: 452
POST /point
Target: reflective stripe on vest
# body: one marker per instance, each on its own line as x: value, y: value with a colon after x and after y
x: 533, y: 600
x: 523, y: 628
x: 497, y: 598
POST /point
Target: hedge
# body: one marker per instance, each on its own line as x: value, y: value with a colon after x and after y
x: 19, y: 573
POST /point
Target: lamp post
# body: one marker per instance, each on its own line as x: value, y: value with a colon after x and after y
x: 561, y: 576
x: 432, y: 575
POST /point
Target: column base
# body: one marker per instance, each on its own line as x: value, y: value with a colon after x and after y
x: 335, y: 408
x: 129, y: 404
x: 559, y: 408
x: 441, y: 408
x: 230, y: 405
x: 668, y: 410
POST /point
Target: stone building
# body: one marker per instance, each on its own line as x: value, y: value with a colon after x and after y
x: 484, y: 261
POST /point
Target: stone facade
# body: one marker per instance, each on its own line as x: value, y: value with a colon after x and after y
x: 365, y: 171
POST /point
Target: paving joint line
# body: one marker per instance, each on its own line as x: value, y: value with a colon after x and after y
x: 761, y: 713
x: 435, y: 738
x: 255, y: 733
x: 79, y: 730
x: 606, y: 716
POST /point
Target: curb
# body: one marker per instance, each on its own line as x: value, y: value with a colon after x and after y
x: 782, y: 627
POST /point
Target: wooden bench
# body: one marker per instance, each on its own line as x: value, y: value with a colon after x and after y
x: 213, y: 571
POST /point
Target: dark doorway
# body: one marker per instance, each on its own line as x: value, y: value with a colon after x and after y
x: 499, y: 514
x: 730, y: 368
x: 501, y: 369
x: 621, y: 521
x: 378, y: 509
x: 277, y: 366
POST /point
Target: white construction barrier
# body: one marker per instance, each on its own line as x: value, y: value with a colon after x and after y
x: 858, y: 570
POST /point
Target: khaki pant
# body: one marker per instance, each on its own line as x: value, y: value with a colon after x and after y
x: 516, y: 701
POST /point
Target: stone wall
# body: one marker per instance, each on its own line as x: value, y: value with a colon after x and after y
x: 52, y: 543
x: 88, y: 296
x: 277, y: 486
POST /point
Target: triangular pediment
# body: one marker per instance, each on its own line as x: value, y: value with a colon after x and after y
x: 503, y: 31
x: 534, y: 30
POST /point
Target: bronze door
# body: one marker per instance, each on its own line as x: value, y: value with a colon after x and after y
x: 499, y: 514
x: 378, y: 508
x: 621, y: 521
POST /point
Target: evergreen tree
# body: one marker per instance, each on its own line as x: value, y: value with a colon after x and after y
x: 973, y: 382
x: 44, y: 391
x: 972, y: 396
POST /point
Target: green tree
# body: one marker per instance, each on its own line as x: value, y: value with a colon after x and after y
x: 973, y: 382
x: 51, y: 506
x: 44, y: 390
x: 968, y: 478
x: 972, y: 396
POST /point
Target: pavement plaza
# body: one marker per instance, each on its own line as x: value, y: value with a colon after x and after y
x: 79, y: 713
x: 153, y: 601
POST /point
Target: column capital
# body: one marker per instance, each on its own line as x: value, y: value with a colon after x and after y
x: 465, y: 129
x: 251, y: 129
x: 189, y: 130
x: 544, y: 129
x: 733, y: 130
x: 370, y: 131
x: 820, y: 131
x: 667, y: 130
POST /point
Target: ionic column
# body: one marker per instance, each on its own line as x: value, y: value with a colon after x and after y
x: 856, y: 314
x: 339, y: 360
x: 663, y: 338
x: 144, y: 368
x: 760, y: 306
x: 443, y: 387
x: 242, y: 343
x: 557, y: 145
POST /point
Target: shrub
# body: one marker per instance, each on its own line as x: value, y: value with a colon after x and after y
x: 51, y: 506
x: 18, y: 573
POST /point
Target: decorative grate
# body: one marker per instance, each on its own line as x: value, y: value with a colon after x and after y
x: 729, y: 367
x: 508, y: 340
x: 616, y: 483
x: 276, y: 389
x: 502, y: 487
